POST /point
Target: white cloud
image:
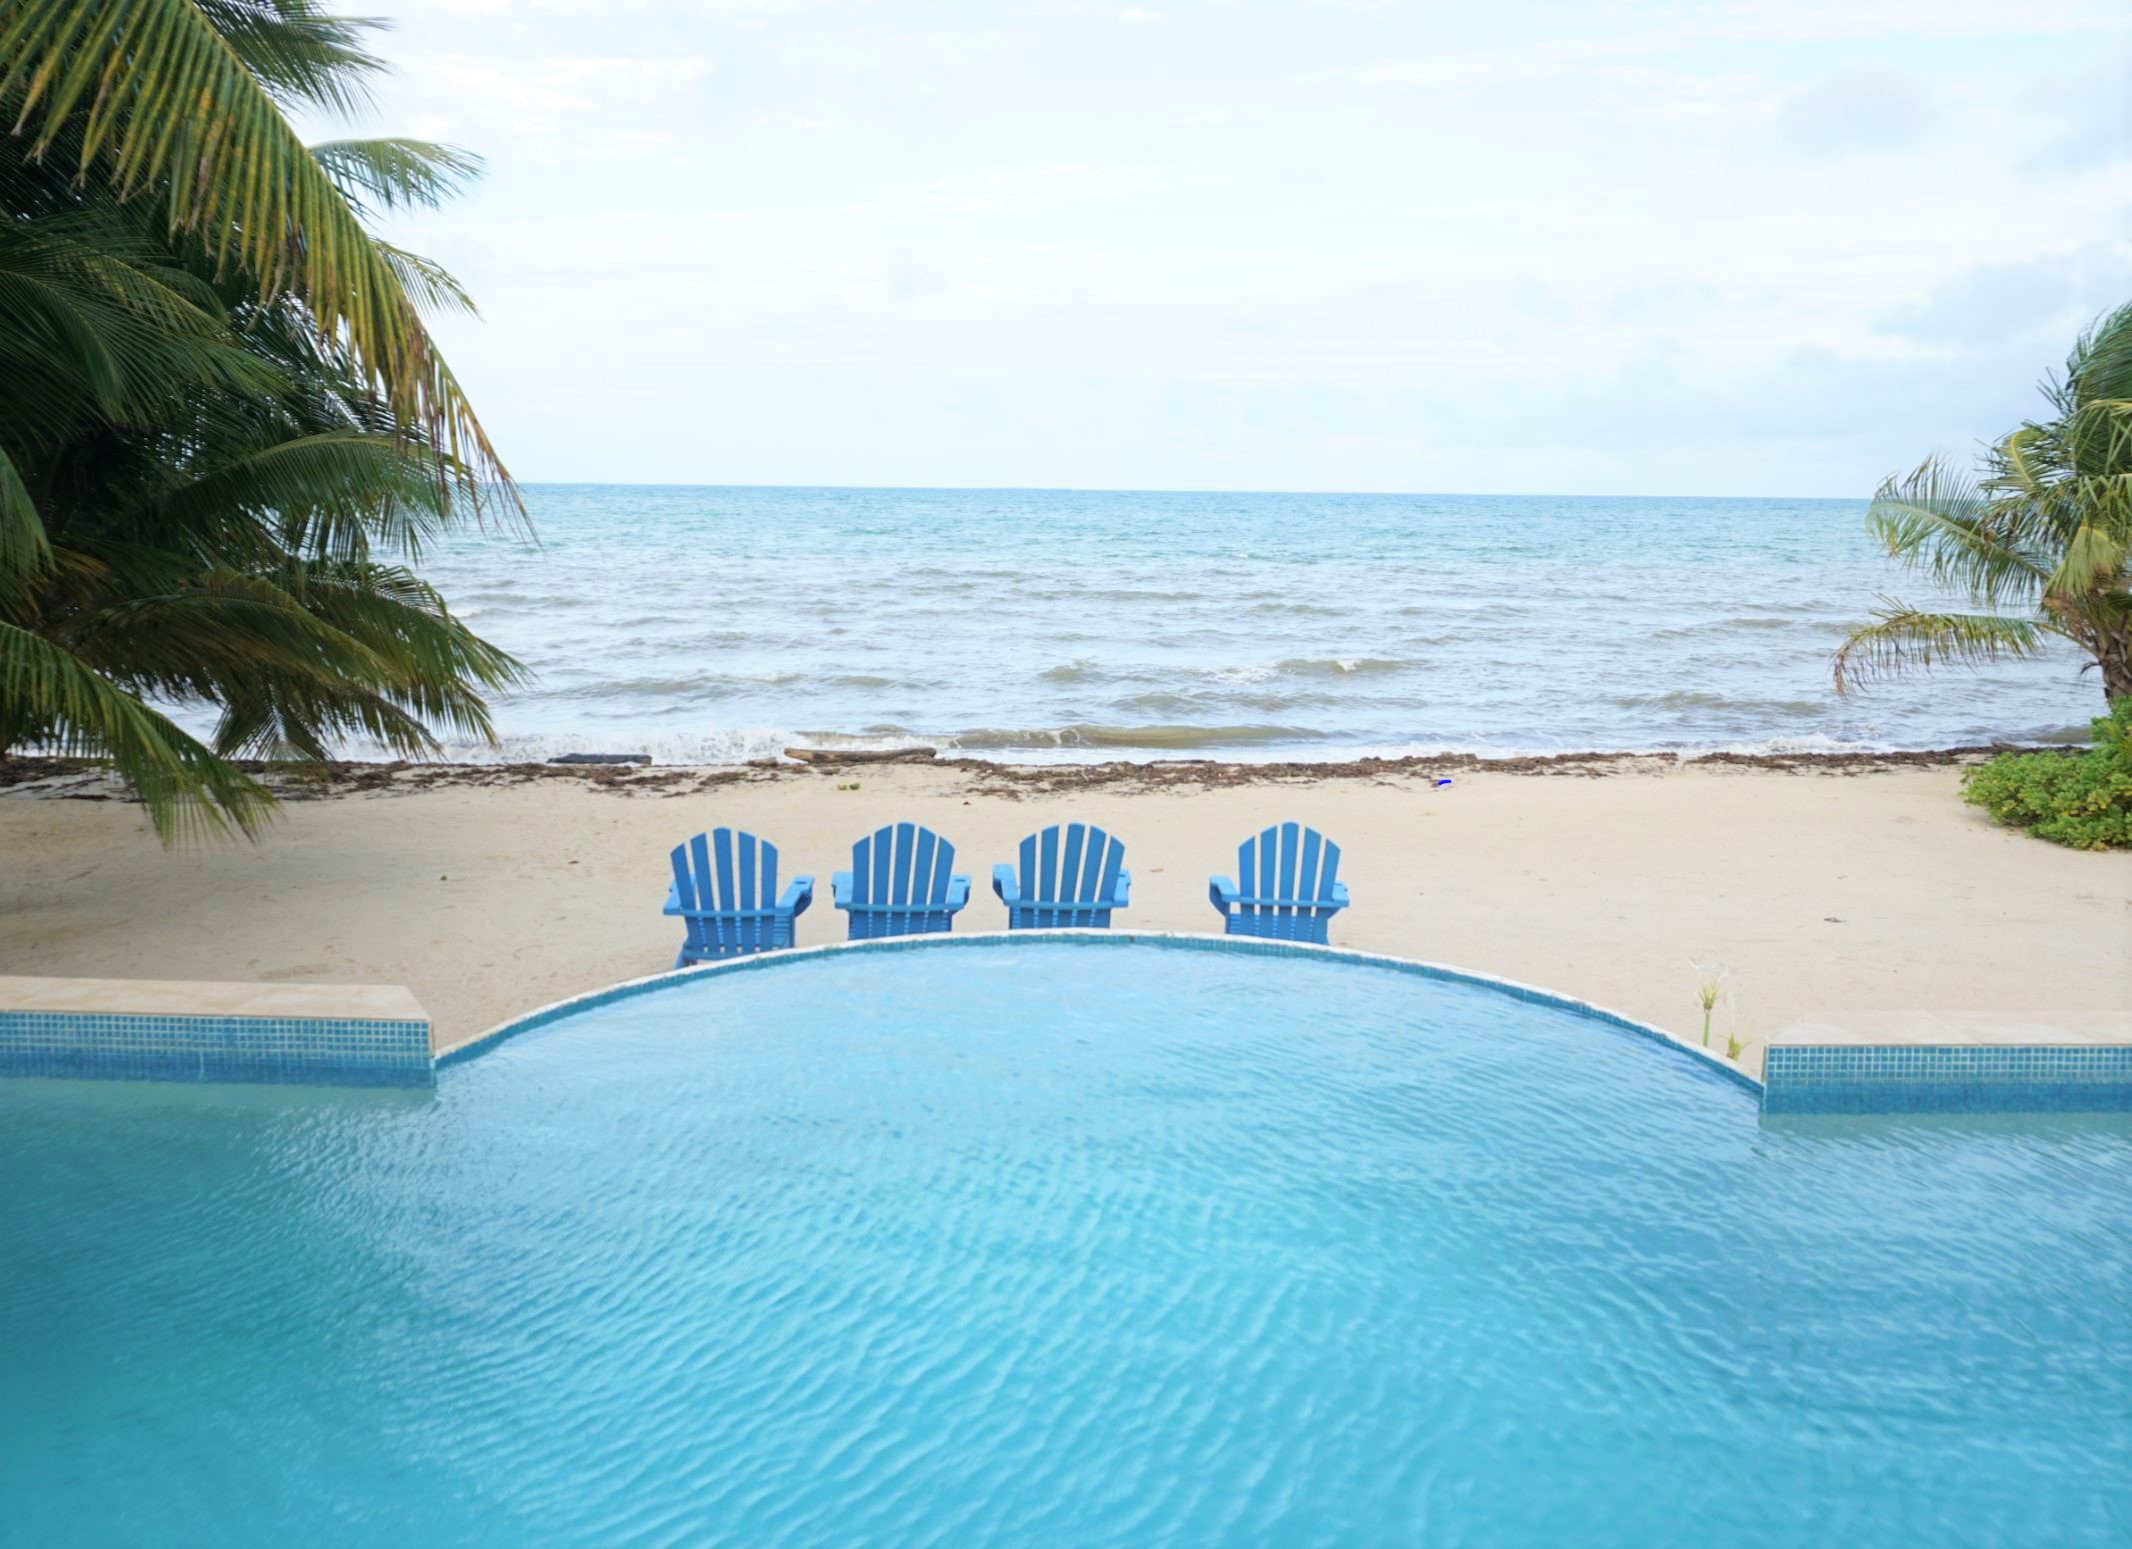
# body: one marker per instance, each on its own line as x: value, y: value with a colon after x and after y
x: 1821, y: 21
x: 2047, y: 300
x: 1512, y: 63
x: 788, y: 119
x: 1758, y: 245
x: 2081, y: 118
x: 1022, y: 188
x: 1866, y: 109
x: 694, y: 10
x: 583, y: 106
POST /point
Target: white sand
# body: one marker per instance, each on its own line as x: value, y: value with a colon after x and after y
x: 1825, y: 894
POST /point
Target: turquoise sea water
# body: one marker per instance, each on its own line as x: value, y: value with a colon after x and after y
x: 711, y: 624
x: 1058, y: 1245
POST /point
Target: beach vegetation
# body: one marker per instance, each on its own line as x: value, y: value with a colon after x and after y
x: 2038, y: 539
x: 1709, y: 990
x: 2078, y: 799
x: 226, y: 435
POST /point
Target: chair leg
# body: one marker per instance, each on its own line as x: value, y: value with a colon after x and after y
x: 681, y: 958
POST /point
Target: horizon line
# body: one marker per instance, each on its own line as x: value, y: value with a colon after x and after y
x: 1131, y: 489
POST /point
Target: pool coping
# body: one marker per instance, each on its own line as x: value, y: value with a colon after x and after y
x: 214, y: 1031
x: 541, y: 1016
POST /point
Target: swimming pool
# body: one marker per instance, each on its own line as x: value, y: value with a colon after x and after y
x: 1058, y: 1243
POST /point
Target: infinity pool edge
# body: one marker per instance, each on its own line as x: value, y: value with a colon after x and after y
x: 542, y: 1016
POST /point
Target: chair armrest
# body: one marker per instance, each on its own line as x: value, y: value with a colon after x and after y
x: 1221, y: 893
x: 840, y: 889
x: 673, y: 898
x: 1339, y: 895
x: 798, y: 895
x: 1007, y: 884
x: 1125, y: 890
x: 958, y: 893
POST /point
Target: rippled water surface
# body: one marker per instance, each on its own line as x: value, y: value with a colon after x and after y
x: 709, y: 624
x: 1058, y: 1245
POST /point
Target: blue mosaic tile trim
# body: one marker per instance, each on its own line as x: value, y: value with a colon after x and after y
x: 1099, y: 939
x: 1948, y: 1078
x: 137, y: 1047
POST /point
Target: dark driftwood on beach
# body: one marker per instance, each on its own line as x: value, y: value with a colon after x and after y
x: 601, y: 758
x: 860, y: 755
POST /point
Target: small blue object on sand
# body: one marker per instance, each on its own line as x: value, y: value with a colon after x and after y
x: 1289, y: 891
x: 1440, y: 784
x: 1070, y: 876
x: 723, y: 885
x: 901, y: 883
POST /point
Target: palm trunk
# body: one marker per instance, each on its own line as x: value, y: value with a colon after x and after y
x: 2104, y: 631
x: 2115, y: 659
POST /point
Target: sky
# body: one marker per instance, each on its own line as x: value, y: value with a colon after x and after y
x: 1715, y: 247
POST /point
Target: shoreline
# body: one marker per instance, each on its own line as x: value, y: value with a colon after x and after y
x: 83, y: 779
x: 1851, y: 890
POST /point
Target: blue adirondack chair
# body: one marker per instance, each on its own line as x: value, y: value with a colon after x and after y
x: 723, y: 898
x: 1289, y: 892
x: 900, y: 884
x: 1074, y: 884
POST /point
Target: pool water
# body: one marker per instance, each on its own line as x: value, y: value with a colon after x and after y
x: 1058, y: 1244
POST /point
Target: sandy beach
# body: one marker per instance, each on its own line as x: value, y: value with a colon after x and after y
x: 1825, y: 892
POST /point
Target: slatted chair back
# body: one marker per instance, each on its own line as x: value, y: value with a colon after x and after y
x: 1068, y: 877
x: 1288, y: 886
x: 902, y: 882
x: 725, y: 883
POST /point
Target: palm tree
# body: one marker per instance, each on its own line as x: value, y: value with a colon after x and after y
x: 2046, y: 530
x: 225, y: 435
x: 181, y: 102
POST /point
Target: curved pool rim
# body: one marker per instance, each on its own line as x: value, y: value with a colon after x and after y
x: 630, y: 989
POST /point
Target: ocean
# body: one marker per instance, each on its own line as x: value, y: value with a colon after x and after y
x: 706, y: 624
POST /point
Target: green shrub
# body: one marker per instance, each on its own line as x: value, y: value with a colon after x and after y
x: 2084, y: 800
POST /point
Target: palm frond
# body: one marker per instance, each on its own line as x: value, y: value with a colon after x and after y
x: 423, y: 669
x: 304, y: 653
x: 1938, y: 521
x: 397, y: 174
x: 2097, y: 553
x: 300, y: 53
x: 222, y: 423
x: 2022, y: 463
x: 24, y: 548
x: 1902, y: 639
x: 164, y: 103
x: 428, y: 282
x: 89, y: 309
x: 72, y: 710
x: 2100, y: 366
x: 336, y: 495
x: 2096, y: 437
